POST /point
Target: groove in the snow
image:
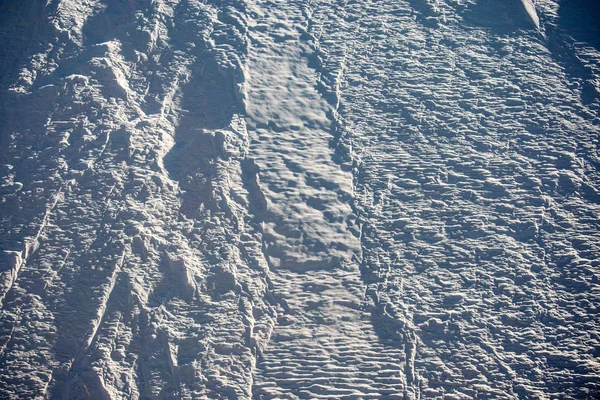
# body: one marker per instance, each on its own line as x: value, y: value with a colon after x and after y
x: 323, y: 343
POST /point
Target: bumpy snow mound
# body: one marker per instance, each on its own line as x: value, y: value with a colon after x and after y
x: 299, y: 199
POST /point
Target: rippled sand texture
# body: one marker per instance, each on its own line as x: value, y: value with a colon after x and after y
x: 299, y: 199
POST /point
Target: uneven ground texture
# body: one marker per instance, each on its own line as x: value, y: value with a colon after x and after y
x: 294, y: 199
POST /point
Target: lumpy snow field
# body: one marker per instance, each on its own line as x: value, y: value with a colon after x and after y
x: 298, y: 199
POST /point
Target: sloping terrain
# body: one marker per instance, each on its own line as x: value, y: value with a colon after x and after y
x: 299, y: 199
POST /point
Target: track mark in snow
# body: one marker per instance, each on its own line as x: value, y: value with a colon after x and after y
x: 324, y: 344
x: 19, y: 259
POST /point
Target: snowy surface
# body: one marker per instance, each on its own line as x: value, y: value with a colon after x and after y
x: 395, y: 199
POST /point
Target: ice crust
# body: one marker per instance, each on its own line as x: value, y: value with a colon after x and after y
x: 299, y: 199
